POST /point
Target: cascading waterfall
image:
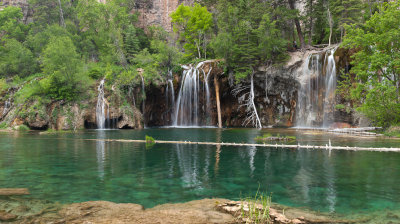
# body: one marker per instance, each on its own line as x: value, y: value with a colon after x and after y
x: 188, y: 111
x: 100, y: 115
x: 316, y: 98
x: 143, y: 97
x: 207, y: 89
x: 170, y: 91
x: 7, y: 106
x: 330, y: 83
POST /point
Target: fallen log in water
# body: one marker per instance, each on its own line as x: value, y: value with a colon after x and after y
x: 13, y: 191
x: 356, y: 131
x: 298, y: 146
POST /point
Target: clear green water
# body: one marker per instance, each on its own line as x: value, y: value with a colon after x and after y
x: 66, y: 168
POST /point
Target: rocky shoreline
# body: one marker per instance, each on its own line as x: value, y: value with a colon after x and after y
x: 199, y: 211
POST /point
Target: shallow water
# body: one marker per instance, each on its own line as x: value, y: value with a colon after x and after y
x: 67, y: 168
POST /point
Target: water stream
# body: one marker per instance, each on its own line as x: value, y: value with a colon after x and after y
x: 190, y: 109
x: 316, y: 98
x: 100, y: 108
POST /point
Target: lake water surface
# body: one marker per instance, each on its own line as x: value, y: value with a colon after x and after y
x: 68, y: 168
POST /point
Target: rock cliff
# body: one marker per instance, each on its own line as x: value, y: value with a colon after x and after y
x: 151, y: 12
x: 156, y: 12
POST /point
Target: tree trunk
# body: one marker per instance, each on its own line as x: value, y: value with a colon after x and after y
x: 216, y: 84
x: 298, y: 27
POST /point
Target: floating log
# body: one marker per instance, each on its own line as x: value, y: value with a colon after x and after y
x: 13, y: 191
x: 356, y: 131
x: 298, y: 146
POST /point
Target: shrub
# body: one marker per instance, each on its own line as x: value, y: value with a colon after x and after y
x: 22, y: 128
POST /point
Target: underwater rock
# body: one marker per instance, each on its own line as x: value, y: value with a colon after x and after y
x: 5, y: 216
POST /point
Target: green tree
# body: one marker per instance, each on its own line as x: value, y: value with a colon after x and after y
x: 193, y: 24
x: 346, y: 12
x: 102, y: 25
x: 15, y: 59
x: 11, y: 25
x: 247, y: 37
x: 377, y: 64
x: 62, y: 64
x: 38, y: 41
x: 132, y: 42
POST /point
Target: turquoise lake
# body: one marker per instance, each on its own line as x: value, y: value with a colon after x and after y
x: 70, y: 168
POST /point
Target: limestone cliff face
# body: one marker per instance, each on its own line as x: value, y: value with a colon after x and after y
x: 156, y: 12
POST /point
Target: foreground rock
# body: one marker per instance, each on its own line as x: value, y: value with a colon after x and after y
x: 5, y: 216
x: 102, y: 212
x: 278, y: 214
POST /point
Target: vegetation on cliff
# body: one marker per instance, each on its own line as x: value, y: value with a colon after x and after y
x: 69, y: 46
x: 376, y: 65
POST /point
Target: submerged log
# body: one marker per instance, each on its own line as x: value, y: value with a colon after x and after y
x: 13, y: 191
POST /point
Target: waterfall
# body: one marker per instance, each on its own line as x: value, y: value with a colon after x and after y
x: 207, y: 89
x: 188, y: 111
x: 7, y: 106
x: 316, y: 98
x: 143, y: 99
x: 170, y: 91
x: 330, y: 85
x: 100, y: 115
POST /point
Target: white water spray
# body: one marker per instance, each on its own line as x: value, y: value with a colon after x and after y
x: 188, y: 111
x: 143, y: 98
x: 100, y: 115
x: 316, y: 98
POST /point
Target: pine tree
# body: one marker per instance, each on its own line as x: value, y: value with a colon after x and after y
x: 346, y: 12
x: 131, y: 43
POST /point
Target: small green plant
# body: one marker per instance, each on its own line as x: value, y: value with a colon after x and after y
x: 3, y: 125
x: 150, y: 141
x: 278, y: 137
x: 256, y: 209
x: 393, y: 131
x: 263, y: 138
x: 22, y: 128
x: 340, y: 106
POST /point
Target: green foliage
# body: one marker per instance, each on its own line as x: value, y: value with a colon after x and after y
x: 3, y: 125
x: 15, y: 59
x: 21, y: 128
x: 393, y: 131
x: 377, y: 65
x: 346, y: 12
x: 37, y: 41
x: 340, y: 106
x: 3, y: 85
x: 268, y: 137
x: 11, y: 25
x: 256, y: 209
x: 132, y: 43
x: 193, y: 24
x: 247, y: 37
x: 62, y: 64
x: 381, y: 105
x: 149, y: 141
